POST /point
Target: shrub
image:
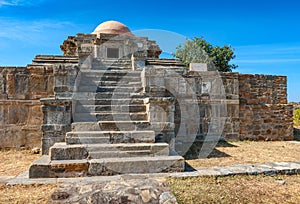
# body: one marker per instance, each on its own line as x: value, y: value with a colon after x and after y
x: 297, y: 117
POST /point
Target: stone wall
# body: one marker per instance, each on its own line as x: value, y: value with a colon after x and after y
x: 264, y: 112
x: 252, y: 107
x: 20, y: 109
x: 247, y: 106
x: 206, y: 105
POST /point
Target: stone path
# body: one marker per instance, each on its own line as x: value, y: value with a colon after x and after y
x: 271, y: 169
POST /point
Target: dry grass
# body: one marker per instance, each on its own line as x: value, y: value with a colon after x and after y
x: 251, y: 153
x: 13, y: 163
x: 26, y: 193
x: 237, y: 189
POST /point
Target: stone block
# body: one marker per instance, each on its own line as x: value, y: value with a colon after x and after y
x: 21, y: 83
x: 61, y: 151
x: 68, y: 169
x: 113, y: 166
x: 40, y: 168
x: 198, y: 67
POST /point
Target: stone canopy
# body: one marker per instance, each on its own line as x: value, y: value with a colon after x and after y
x: 111, y: 39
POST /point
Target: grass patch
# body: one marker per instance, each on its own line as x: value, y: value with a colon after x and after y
x: 237, y: 189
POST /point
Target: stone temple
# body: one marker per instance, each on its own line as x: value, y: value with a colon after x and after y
x: 109, y: 105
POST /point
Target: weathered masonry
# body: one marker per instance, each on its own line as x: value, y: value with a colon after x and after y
x: 110, y: 96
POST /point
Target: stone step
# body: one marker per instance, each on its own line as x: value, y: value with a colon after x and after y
x: 95, y: 137
x: 120, y: 154
x: 130, y: 89
x: 63, y: 151
x: 152, y: 147
x: 96, y: 88
x: 110, y: 78
x: 138, y: 165
x: 106, y: 166
x: 79, y: 117
x: 93, y: 95
x: 105, y: 95
x: 116, y: 101
x: 112, y: 68
x: 111, y: 126
x: 117, y: 95
x: 86, y: 117
x: 87, y: 140
x: 108, y: 102
x: 110, y: 108
x: 122, y: 126
x: 87, y: 88
x: 112, y: 61
x: 109, y: 72
x: 97, y: 82
x: 120, y: 83
x: 104, y: 77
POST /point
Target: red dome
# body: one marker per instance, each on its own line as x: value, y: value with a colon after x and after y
x: 112, y: 27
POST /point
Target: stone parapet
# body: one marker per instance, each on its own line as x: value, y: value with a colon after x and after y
x: 26, y: 83
x: 262, y: 89
x: 54, y: 59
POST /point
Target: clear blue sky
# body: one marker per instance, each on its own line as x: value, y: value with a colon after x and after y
x: 264, y: 33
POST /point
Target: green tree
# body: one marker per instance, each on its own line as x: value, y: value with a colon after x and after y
x: 199, y: 50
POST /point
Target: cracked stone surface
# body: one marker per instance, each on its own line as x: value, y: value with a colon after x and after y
x: 127, y: 190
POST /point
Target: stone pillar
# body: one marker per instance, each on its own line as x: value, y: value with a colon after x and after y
x: 56, y: 121
x: 138, y: 60
x: 64, y: 80
x: 86, y: 50
x: 160, y: 105
x: 161, y: 116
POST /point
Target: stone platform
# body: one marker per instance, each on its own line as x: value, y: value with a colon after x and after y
x: 111, y: 131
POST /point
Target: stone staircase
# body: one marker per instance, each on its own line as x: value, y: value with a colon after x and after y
x: 111, y: 133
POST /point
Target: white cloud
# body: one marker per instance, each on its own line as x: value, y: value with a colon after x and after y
x: 32, y: 31
x: 272, y: 53
x: 19, y: 2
